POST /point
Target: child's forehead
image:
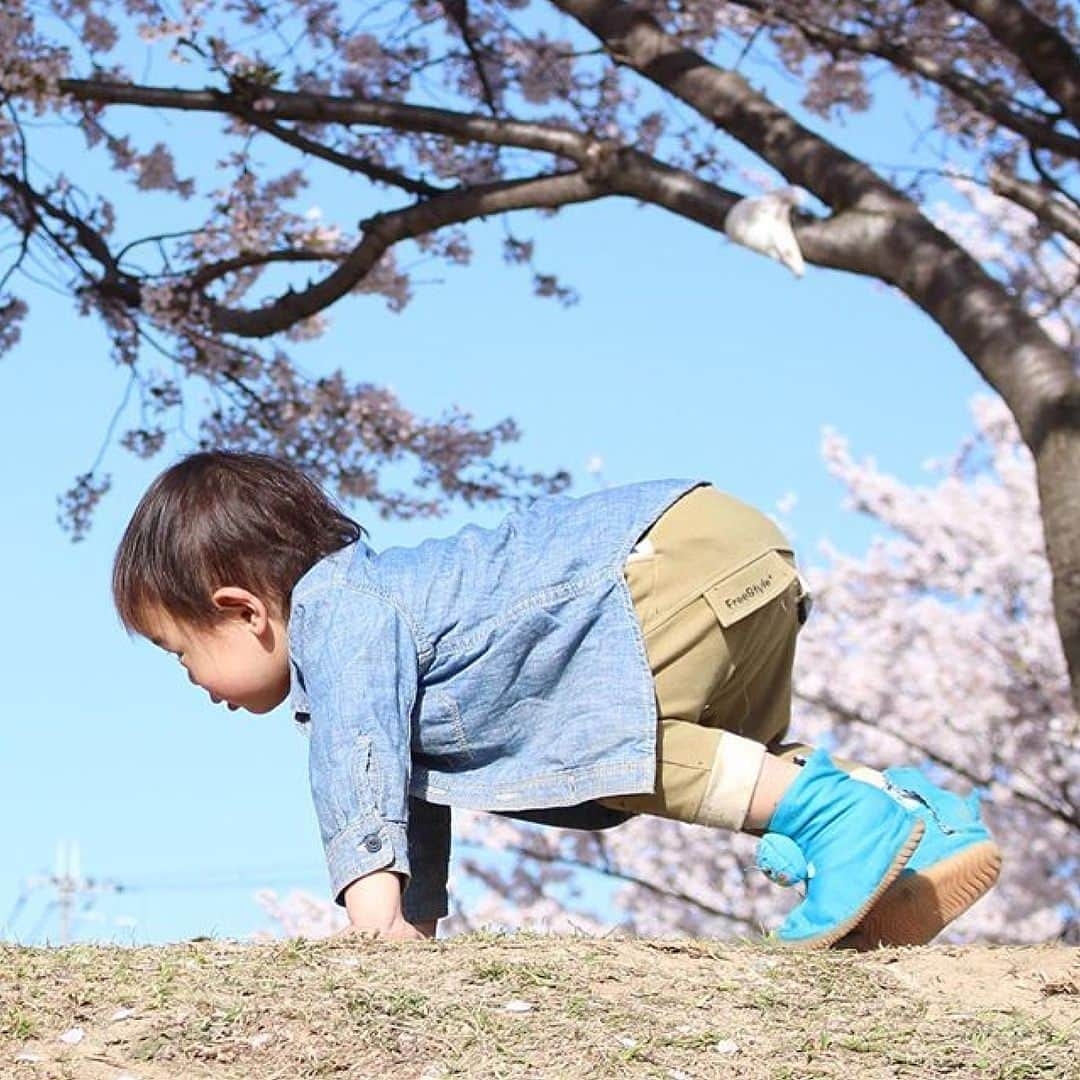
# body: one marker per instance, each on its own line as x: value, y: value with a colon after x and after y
x: 159, y: 626
x: 169, y: 632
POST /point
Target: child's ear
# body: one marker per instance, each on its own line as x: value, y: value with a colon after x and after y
x: 243, y: 603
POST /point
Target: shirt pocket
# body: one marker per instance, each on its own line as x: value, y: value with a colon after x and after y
x: 745, y: 590
x: 440, y: 733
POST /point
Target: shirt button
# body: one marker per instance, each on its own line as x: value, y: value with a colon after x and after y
x: 373, y: 843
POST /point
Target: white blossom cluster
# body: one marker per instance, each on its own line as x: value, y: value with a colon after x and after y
x: 1037, y: 265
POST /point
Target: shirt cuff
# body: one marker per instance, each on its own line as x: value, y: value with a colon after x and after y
x: 364, y: 847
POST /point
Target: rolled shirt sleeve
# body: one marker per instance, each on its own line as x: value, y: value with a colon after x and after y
x: 360, y: 670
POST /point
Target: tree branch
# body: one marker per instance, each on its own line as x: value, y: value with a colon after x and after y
x: 345, y: 161
x: 118, y: 283
x: 1039, y: 199
x: 327, y: 109
x: 980, y: 97
x: 605, y: 169
x: 204, y: 275
x: 1047, y: 55
x: 458, y: 12
x: 384, y: 230
x: 633, y: 37
x: 608, y: 171
x: 1049, y: 180
x: 636, y: 175
x: 93, y: 243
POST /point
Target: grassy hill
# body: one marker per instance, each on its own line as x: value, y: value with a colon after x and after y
x: 528, y: 1006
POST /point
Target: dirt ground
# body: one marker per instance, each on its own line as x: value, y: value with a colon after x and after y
x: 529, y: 1006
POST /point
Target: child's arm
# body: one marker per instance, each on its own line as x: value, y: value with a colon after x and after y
x: 377, y: 903
x: 357, y: 663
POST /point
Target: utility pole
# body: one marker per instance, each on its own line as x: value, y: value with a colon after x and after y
x: 67, y: 881
x: 71, y: 890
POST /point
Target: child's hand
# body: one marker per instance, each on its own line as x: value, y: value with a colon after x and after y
x: 374, y: 906
x: 399, y: 930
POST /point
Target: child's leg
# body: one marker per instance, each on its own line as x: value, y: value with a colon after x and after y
x: 706, y: 551
x: 718, y: 601
x: 723, y: 691
x: 707, y: 776
x: 856, y: 838
x: 955, y: 864
x: 715, y: 670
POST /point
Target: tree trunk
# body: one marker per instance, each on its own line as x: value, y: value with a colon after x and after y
x: 1058, y: 462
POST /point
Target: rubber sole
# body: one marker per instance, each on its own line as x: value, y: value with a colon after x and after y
x: 919, y: 905
x: 823, y: 941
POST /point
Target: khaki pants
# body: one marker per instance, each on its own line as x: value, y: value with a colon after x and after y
x: 720, y: 604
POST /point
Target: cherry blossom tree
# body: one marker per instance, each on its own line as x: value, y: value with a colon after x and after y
x: 936, y: 647
x: 443, y: 112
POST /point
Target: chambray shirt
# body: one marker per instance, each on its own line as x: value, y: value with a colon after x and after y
x: 499, y: 669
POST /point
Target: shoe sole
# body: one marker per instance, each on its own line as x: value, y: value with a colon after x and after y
x: 823, y: 941
x: 919, y: 905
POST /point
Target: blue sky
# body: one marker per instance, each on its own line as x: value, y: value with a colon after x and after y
x: 686, y: 357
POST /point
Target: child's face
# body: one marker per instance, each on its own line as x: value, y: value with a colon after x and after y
x: 242, y: 661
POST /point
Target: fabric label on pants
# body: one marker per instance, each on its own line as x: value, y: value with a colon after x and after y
x: 750, y: 587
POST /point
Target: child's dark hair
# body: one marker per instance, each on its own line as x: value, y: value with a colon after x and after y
x: 223, y: 518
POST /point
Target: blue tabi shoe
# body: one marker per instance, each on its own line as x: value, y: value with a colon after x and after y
x: 849, y: 841
x: 955, y: 864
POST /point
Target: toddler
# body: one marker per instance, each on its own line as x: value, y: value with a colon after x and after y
x: 587, y: 659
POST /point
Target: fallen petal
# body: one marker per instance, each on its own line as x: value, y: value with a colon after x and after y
x: 518, y: 1006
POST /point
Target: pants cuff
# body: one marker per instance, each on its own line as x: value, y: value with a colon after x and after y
x: 731, y: 783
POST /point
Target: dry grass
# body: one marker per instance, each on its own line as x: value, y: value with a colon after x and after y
x: 526, y: 1006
